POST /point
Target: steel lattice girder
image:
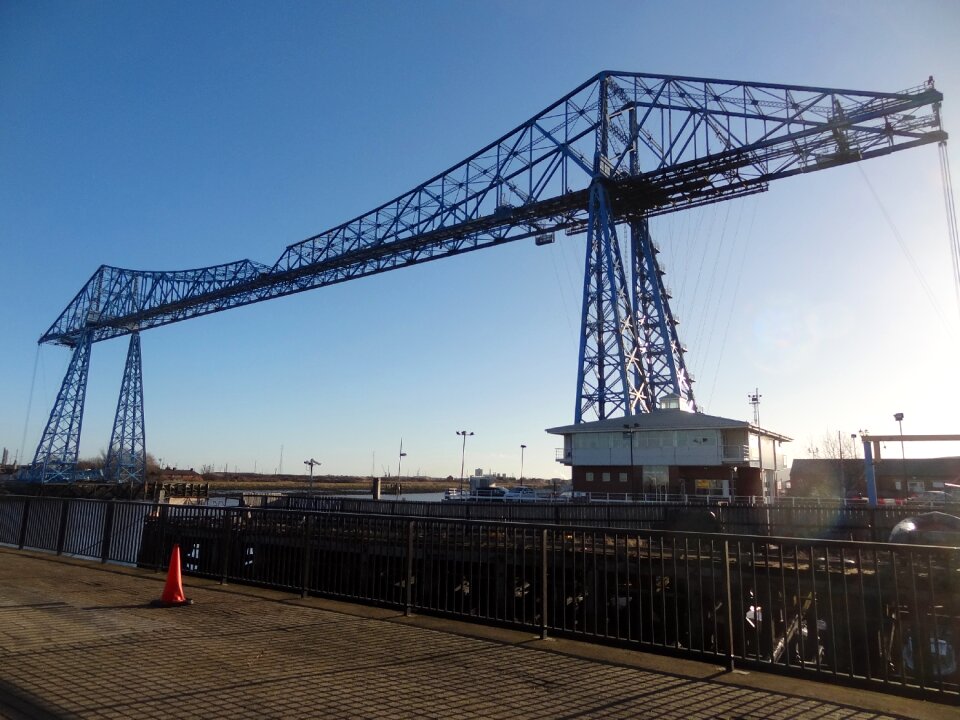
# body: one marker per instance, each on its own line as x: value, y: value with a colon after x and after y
x: 659, y: 349
x: 127, y: 456
x: 59, y: 447
x: 668, y: 143
x: 608, y: 370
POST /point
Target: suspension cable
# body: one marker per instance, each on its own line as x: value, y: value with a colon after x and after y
x: 931, y: 296
x: 26, y: 420
x: 951, y: 218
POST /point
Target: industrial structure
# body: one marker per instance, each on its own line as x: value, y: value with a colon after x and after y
x: 670, y: 452
x: 617, y: 150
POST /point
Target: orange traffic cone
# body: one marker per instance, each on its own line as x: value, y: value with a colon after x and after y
x: 173, y: 590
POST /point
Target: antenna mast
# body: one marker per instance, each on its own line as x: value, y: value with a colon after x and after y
x: 754, y: 398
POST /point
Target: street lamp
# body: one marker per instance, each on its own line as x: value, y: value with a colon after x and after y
x: 843, y: 479
x: 311, y: 462
x: 400, y: 459
x: 903, y: 458
x: 522, y: 448
x: 463, y: 453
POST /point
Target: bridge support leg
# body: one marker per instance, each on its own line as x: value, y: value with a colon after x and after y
x: 659, y: 350
x: 56, y: 456
x: 608, y: 366
x: 127, y: 456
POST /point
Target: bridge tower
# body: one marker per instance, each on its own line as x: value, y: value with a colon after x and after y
x: 614, y: 152
x: 127, y: 456
x: 630, y: 354
x: 59, y: 447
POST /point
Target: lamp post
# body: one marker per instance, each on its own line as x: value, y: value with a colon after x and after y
x: 400, y: 459
x: 903, y: 458
x: 463, y: 453
x: 628, y: 435
x: 311, y: 462
x: 522, y: 448
x: 843, y: 478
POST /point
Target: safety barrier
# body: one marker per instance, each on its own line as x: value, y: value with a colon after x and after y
x: 874, y: 614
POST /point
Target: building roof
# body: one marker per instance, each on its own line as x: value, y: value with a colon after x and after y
x: 668, y: 419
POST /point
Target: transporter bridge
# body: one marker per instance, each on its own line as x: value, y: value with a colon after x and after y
x: 617, y: 150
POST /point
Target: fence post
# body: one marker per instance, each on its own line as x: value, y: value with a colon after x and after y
x: 408, y: 609
x: 225, y: 546
x: 543, y: 584
x: 161, y: 532
x: 729, y: 601
x: 62, y: 529
x: 22, y: 540
x: 105, y: 541
x: 305, y: 552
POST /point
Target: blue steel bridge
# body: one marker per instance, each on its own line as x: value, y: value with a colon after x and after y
x: 599, y: 162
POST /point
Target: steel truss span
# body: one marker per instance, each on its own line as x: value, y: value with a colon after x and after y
x: 619, y: 149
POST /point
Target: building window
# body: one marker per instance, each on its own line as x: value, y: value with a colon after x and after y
x: 606, y: 477
x: 589, y: 477
x: 623, y: 477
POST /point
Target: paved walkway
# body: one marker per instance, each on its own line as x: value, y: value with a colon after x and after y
x: 80, y: 640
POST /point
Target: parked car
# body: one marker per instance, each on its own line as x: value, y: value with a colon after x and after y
x: 521, y: 493
x: 932, y: 528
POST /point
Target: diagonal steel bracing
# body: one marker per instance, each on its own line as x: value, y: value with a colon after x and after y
x: 127, y: 456
x: 56, y: 456
x: 658, y: 346
x: 608, y: 370
x: 615, y: 151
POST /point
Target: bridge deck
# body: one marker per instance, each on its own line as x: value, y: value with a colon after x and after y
x: 80, y: 640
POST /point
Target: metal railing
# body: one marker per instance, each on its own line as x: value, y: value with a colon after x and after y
x: 828, y: 520
x: 880, y: 615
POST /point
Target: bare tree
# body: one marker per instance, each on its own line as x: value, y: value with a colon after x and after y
x: 840, y: 446
x: 833, y: 446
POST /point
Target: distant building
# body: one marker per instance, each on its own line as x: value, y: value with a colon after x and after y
x: 479, y: 479
x: 672, y: 451
x: 896, y: 477
x: 173, y: 475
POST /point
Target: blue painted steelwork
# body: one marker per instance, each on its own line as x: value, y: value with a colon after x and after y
x: 693, y: 141
x: 56, y: 456
x: 127, y: 456
x: 660, y: 353
x: 870, y: 473
x: 620, y: 148
x: 608, y: 362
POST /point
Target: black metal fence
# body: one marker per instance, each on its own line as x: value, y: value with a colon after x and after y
x: 885, y: 616
x: 795, y: 519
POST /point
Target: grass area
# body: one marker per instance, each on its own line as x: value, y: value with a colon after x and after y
x: 248, y: 481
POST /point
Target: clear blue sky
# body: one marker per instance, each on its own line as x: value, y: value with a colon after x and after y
x: 172, y: 135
